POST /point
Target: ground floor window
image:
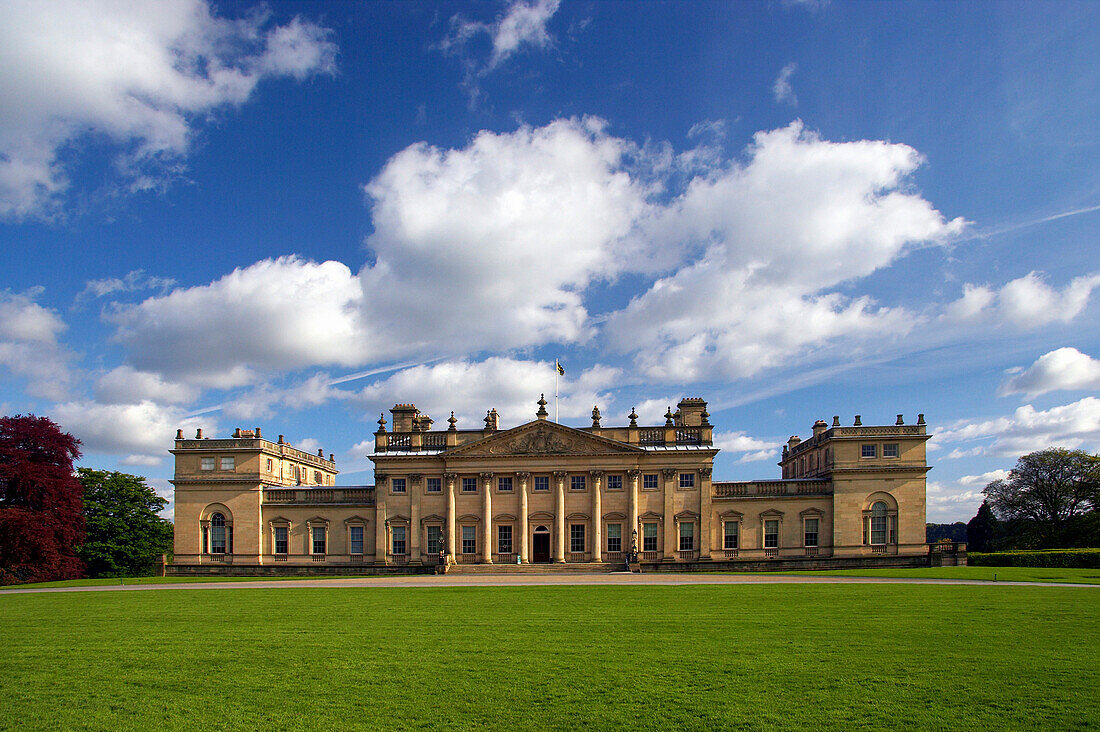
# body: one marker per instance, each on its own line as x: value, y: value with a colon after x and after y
x: 731, y: 535
x: 399, y: 536
x: 469, y: 540
x: 435, y: 539
x: 771, y: 534
x: 878, y: 523
x: 649, y: 537
x: 576, y: 537
x: 319, y: 539
x: 355, y: 536
x: 687, y: 536
x: 504, y: 539
x: 614, y: 537
x: 217, y: 534
x: 810, y: 533
x: 282, y: 539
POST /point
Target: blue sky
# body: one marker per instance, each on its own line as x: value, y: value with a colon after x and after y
x: 296, y: 215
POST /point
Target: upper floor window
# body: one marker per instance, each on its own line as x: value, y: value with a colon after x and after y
x: 687, y: 536
x: 320, y: 543
x: 868, y: 451
x: 577, y: 483
x: 649, y: 482
x: 318, y: 478
x: 397, y: 486
x: 810, y: 533
x: 206, y: 463
x: 228, y: 463
x: 270, y: 465
x: 505, y: 484
x: 649, y: 537
x: 355, y: 536
x: 542, y: 482
x: 435, y: 485
x: 687, y: 480
x: 614, y: 483
x: 890, y: 450
x: 469, y: 485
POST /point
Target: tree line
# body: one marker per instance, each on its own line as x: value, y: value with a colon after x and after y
x: 60, y: 523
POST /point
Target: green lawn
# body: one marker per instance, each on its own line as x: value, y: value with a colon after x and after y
x: 156, y: 581
x: 989, y: 574
x: 833, y: 657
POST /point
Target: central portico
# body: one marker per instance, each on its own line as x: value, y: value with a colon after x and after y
x: 542, y: 491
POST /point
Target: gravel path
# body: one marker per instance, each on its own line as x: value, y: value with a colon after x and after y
x: 525, y: 580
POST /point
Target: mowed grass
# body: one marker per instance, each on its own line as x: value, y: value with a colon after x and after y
x: 985, y: 574
x: 777, y: 656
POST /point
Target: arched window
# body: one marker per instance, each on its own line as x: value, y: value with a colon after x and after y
x: 217, y: 534
x: 878, y: 522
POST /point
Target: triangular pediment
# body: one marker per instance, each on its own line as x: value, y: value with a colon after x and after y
x: 543, y: 438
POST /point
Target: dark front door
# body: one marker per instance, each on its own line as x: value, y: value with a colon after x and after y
x: 541, y: 548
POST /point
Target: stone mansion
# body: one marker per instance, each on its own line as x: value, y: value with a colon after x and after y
x: 545, y: 493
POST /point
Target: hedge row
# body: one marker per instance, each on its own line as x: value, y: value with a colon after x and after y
x: 1082, y: 558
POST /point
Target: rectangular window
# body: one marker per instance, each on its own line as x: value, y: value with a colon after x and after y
x: 577, y: 483
x: 282, y: 539
x: 878, y: 529
x: 206, y: 463
x: 469, y: 540
x: 576, y: 537
x: 771, y: 534
x: 731, y: 537
x: 504, y: 485
x: 435, y: 485
x: 504, y: 539
x: 687, y: 536
x: 649, y: 482
x: 435, y: 539
x: 269, y: 465
x: 228, y: 463
x: 868, y: 451
x: 319, y: 539
x: 649, y: 537
x: 614, y: 537
x: 893, y: 532
x: 810, y: 538
x: 687, y: 480
x: 356, y: 539
x: 397, y: 485
x: 614, y: 482
x: 890, y: 449
x: 542, y: 482
x: 317, y: 477
x: 469, y: 485
x: 398, y: 539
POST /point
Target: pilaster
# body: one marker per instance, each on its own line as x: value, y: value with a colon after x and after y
x: 487, y: 518
x: 524, y: 554
x: 559, y: 516
x: 450, y: 479
x: 597, y: 516
x: 668, y: 476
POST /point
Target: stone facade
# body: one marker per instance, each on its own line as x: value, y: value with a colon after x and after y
x: 547, y: 493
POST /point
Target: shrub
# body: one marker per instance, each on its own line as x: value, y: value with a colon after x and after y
x: 1080, y: 558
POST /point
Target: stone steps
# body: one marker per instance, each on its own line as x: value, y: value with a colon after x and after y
x: 566, y: 568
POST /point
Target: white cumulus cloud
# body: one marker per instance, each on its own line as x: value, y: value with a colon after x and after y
x: 1026, y: 430
x: 782, y: 89
x: 29, y: 346
x: 1061, y: 369
x: 1026, y: 302
x: 142, y: 430
x: 138, y: 75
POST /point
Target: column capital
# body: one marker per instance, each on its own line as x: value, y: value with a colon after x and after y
x: 414, y: 478
x: 705, y: 472
x: 450, y: 477
x: 669, y: 472
x: 633, y: 473
x: 380, y: 478
x: 522, y: 474
x: 596, y: 473
x: 560, y: 475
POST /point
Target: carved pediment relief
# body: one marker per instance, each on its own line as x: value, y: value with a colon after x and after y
x: 432, y: 518
x: 651, y: 515
x: 541, y: 516
x: 614, y: 516
x: 543, y: 438
x: 357, y: 519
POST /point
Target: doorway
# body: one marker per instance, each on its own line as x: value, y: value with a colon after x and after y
x: 540, y: 553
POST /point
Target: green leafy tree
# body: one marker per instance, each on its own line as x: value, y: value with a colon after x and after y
x: 981, y: 529
x: 1049, y: 498
x: 125, y: 534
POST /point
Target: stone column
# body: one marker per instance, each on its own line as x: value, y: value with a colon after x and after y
x: 705, y: 518
x: 633, y: 475
x: 414, y: 531
x: 669, y: 475
x: 487, y: 510
x: 597, y: 516
x: 450, y: 478
x: 381, y: 545
x: 559, y: 517
x: 524, y: 554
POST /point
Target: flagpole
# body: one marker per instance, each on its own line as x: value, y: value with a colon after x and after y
x: 557, y: 366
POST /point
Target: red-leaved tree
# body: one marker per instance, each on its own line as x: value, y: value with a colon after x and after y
x: 40, y: 501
